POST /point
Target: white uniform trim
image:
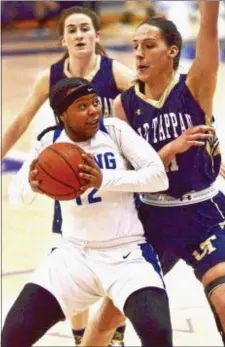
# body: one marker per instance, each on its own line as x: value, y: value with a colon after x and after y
x: 160, y: 199
x: 108, y: 244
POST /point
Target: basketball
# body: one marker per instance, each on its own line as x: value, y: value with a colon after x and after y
x: 58, y: 171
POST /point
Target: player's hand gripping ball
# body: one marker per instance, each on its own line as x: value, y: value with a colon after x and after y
x: 56, y: 172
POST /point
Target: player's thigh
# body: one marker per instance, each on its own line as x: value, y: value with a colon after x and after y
x: 108, y: 316
x: 65, y: 274
x: 139, y: 270
x: 207, y: 257
x: 80, y: 321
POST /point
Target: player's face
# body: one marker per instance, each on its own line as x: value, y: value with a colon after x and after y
x: 79, y: 36
x: 81, y: 120
x: 151, y: 53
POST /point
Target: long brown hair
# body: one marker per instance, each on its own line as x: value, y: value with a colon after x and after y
x: 87, y: 12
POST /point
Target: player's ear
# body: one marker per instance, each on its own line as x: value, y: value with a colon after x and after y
x: 98, y: 36
x: 62, y: 118
x: 63, y: 43
x: 173, y: 51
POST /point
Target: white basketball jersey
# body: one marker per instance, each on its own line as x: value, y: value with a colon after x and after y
x: 128, y: 164
x: 100, y: 215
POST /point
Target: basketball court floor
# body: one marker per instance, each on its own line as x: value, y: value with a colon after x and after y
x: 26, y: 230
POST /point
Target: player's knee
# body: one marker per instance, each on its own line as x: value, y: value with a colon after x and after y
x: 115, y: 321
x: 215, y: 292
x: 217, y: 298
x: 108, y: 317
x: 148, y: 311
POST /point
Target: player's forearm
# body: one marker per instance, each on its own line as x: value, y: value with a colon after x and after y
x: 9, y: 139
x: 209, y: 15
x: 148, y: 179
x: 167, y: 154
x: 11, y: 136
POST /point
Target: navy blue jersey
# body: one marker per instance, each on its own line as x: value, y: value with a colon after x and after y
x: 195, y: 169
x: 103, y: 82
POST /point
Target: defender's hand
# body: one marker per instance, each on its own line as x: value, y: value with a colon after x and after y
x: 194, y: 136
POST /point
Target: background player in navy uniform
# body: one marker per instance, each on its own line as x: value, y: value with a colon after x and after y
x: 189, y: 220
x: 79, y: 31
x: 103, y: 242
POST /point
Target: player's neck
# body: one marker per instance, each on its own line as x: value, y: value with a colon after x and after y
x: 156, y: 88
x: 82, y: 67
x: 77, y: 137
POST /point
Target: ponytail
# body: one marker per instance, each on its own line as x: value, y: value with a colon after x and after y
x: 99, y: 50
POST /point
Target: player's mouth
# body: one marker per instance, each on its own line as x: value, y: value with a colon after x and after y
x: 94, y: 123
x: 142, y: 68
x: 80, y: 45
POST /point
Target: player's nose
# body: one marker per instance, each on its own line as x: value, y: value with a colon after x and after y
x: 79, y: 34
x: 139, y: 53
x: 93, y: 111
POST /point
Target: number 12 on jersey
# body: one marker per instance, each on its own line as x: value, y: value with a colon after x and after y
x: 92, y: 198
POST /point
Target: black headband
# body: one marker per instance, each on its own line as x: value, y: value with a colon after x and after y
x: 71, y: 97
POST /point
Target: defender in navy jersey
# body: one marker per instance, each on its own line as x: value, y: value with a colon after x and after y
x: 189, y: 220
x: 172, y: 113
x: 160, y: 124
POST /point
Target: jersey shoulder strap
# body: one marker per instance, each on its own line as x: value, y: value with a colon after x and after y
x: 111, y: 130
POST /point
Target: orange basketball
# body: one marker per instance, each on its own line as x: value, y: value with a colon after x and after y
x: 58, y: 171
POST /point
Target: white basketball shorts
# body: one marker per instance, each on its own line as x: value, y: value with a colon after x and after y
x: 79, y: 277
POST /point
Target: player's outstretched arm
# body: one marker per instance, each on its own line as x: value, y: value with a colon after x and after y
x: 34, y: 101
x: 202, y: 76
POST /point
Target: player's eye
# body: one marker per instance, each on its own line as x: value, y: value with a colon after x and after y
x: 82, y: 107
x: 149, y: 46
x: 71, y: 31
x: 96, y: 102
x: 85, y: 29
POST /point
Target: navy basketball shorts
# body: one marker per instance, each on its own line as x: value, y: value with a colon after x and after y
x: 194, y: 233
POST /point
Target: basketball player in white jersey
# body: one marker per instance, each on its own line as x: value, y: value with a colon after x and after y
x: 103, y: 250
x: 79, y: 33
